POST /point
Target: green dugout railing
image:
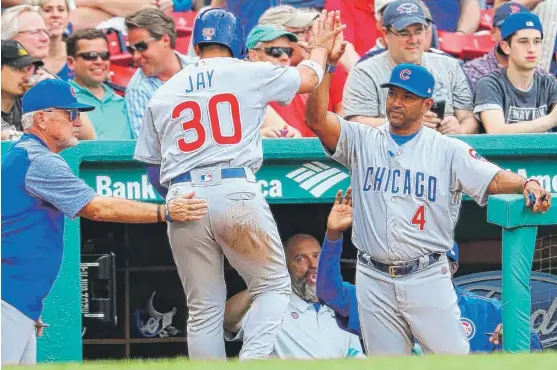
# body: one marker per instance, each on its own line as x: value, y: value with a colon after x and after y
x: 294, y: 171
x: 519, y: 225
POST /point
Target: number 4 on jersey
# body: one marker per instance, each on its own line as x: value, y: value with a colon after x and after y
x: 419, y: 218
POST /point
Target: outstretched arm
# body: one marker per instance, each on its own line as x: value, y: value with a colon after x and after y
x: 507, y: 182
x: 326, y: 126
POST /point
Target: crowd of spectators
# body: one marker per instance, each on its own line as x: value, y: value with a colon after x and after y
x: 509, y: 89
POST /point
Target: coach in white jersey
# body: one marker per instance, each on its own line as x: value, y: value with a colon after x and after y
x: 202, y: 127
x: 407, y: 182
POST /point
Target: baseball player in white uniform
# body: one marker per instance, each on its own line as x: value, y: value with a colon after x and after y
x: 202, y: 128
x: 407, y: 183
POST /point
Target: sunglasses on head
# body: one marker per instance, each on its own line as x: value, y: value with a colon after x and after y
x: 276, y: 51
x: 73, y: 113
x: 140, y: 46
x: 93, y: 55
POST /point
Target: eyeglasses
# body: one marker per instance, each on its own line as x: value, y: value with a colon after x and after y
x: 141, y: 46
x: 94, y: 55
x: 73, y: 112
x: 276, y: 51
x: 36, y: 32
x: 407, y: 34
x: 303, y: 31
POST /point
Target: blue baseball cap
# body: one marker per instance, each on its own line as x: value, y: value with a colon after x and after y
x: 413, y: 78
x: 52, y: 93
x: 402, y: 13
x: 453, y: 253
x: 506, y: 10
x: 520, y: 21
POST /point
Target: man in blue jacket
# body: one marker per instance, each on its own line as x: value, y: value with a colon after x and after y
x: 480, y: 316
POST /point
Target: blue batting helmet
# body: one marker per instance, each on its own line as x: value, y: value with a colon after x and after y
x: 219, y: 26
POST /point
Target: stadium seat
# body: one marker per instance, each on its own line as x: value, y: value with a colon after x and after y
x: 486, y: 20
x: 183, y: 42
x: 120, y: 76
x: 463, y: 46
x: 116, y: 42
x: 184, y: 22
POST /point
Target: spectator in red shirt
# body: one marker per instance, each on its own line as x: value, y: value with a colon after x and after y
x: 359, y: 18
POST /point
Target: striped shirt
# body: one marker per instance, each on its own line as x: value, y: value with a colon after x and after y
x: 139, y: 92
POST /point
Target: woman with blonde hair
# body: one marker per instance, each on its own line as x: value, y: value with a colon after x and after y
x: 56, y: 17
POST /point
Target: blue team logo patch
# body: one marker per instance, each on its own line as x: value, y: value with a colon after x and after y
x: 476, y: 155
x: 543, y: 287
x: 206, y: 177
x: 469, y: 328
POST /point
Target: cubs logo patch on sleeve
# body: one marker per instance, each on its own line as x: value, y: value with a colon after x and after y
x: 469, y: 328
x: 476, y: 155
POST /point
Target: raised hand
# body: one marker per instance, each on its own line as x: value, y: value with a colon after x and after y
x: 339, y: 45
x: 340, y: 218
x: 325, y: 29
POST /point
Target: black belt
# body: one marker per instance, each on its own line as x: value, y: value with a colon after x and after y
x: 226, y: 173
x: 398, y: 270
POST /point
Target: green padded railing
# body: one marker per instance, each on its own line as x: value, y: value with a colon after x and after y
x: 519, y: 225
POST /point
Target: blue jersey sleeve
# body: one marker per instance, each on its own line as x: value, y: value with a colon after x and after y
x: 332, y: 291
x: 329, y: 287
x: 50, y: 178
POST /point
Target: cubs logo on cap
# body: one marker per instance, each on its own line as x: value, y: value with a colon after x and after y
x: 405, y: 74
x: 413, y: 78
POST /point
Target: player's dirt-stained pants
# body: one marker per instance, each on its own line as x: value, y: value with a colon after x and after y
x: 423, y: 305
x: 19, y: 343
x: 240, y: 226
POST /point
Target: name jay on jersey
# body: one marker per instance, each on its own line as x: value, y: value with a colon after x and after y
x: 400, y: 181
x: 203, y: 80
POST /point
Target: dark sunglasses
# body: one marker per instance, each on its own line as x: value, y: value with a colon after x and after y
x: 276, y: 51
x: 141, y: 46
x: 73, y: 113
x: 93, y: 55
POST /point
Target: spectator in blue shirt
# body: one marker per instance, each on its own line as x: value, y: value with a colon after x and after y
x: 38, y: 189
x: 479, y: 315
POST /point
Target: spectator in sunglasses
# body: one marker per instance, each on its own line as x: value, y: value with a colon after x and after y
x: 270, y: 43
x: 89, y: 60
x: 293, y: 20
x: 151, y: 38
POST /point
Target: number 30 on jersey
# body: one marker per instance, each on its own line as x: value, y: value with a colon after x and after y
x: 195, y: 123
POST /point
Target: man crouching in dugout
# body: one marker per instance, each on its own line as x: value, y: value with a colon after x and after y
x: 38, y: 189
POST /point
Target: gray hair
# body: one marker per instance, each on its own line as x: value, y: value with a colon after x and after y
x: 27, y: 120
x: 154, y: 21
x: 10, y: 22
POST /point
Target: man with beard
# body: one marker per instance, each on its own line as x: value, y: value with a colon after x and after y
x: 309, y: 329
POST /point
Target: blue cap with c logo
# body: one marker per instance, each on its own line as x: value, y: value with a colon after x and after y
x: 413, y: 78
